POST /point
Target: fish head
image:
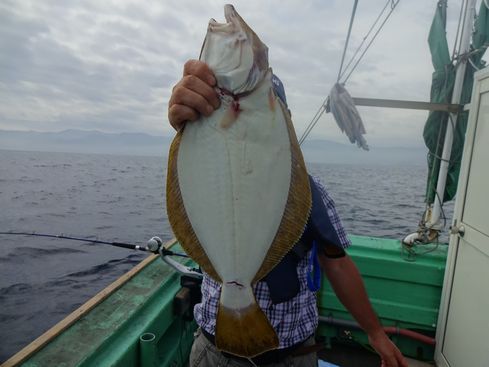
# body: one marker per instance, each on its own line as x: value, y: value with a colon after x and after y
x: 238, y: 58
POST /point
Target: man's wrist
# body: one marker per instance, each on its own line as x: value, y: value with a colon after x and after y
x: 376, y: 333
x: 375, y: 330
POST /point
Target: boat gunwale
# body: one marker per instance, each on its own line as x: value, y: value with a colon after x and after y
x: 34, y: 346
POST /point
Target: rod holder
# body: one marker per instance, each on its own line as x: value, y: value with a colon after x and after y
x: 147, y: 348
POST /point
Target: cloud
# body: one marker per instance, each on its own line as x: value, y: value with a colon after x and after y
x: 110, y: 65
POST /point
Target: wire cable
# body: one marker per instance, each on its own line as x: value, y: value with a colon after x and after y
x: 458, y: 28
x: 313, y: 122
x: 347, y: 39
x: 365, y: 38
x: 394, y: 5
x: 341, y: 72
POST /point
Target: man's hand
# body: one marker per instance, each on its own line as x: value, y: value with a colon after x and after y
x: 193, y: 95
x: 347, y: 283
x: 387, y: 350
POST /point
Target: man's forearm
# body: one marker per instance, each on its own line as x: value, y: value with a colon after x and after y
x: 349, y: 288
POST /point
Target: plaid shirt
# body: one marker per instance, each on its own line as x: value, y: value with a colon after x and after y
x: 293, y: 320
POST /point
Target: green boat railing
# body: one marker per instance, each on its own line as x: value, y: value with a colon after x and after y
x: 144, y: 318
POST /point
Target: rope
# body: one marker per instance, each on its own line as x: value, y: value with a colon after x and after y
x: 467, y: 55
x: 412, y: 254
x: 473, y: 65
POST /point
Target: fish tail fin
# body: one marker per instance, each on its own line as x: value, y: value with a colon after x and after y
x: 242, y: 328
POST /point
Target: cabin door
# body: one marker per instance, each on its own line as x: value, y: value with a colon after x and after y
x: 463, y: 324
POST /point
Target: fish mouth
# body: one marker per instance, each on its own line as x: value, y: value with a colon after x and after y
x: 241, y: 62
x: 229, y: 13
x: 232, y: 21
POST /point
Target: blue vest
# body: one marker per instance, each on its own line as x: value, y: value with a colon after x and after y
x: 320, y: 229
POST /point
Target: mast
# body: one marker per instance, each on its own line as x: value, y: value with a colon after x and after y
x: 434, y: 220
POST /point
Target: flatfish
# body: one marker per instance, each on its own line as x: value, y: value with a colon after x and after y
x: 238, y: 194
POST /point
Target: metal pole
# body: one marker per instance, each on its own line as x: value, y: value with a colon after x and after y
x: 412, y: 105
x: 434, y: 221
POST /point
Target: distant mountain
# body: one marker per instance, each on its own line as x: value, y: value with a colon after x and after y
x: 323, y: 151
x: 92, y: 141
x: 82, y: 141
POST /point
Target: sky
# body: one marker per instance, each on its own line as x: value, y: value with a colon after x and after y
x: 111, y: 65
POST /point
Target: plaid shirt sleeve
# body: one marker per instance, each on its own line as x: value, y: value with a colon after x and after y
x: 332, y: 213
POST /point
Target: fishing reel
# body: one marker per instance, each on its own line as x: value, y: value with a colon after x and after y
x: 190, y: 280
x: 155, y: 245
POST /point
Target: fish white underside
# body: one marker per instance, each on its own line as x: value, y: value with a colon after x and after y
x: 235, y: 184
x: 238, y: 194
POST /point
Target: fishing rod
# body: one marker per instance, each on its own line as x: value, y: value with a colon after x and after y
x: 154, y: 245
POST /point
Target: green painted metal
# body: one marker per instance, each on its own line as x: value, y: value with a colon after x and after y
x: 109, y: 335
x: 119, y: 331
x: 404, y: 293
x: 148, y: 350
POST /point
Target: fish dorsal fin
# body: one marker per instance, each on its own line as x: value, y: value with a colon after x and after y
x: 297, y: 209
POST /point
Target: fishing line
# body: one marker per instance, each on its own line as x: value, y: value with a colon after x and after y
x: 153, y: 245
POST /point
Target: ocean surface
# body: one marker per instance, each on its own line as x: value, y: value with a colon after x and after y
x: 122, y: 198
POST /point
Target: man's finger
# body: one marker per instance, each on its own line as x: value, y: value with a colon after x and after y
x: 391, y: 361
x: 179, y: 114
x: 197, y: 85
x: 200, y: 70
x: 189, y: 98
x: 403, y: 361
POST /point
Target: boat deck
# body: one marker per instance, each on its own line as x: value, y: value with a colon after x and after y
x: 144, y: 318
x: 351, y: 356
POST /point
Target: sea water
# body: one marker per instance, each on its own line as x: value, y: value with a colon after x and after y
x: 122, y: 198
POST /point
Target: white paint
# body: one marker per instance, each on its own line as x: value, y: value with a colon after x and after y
x: 463, y: 320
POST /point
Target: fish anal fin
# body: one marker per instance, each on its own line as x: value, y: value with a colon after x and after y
x: 244, y: 332
x: 297, y: 209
